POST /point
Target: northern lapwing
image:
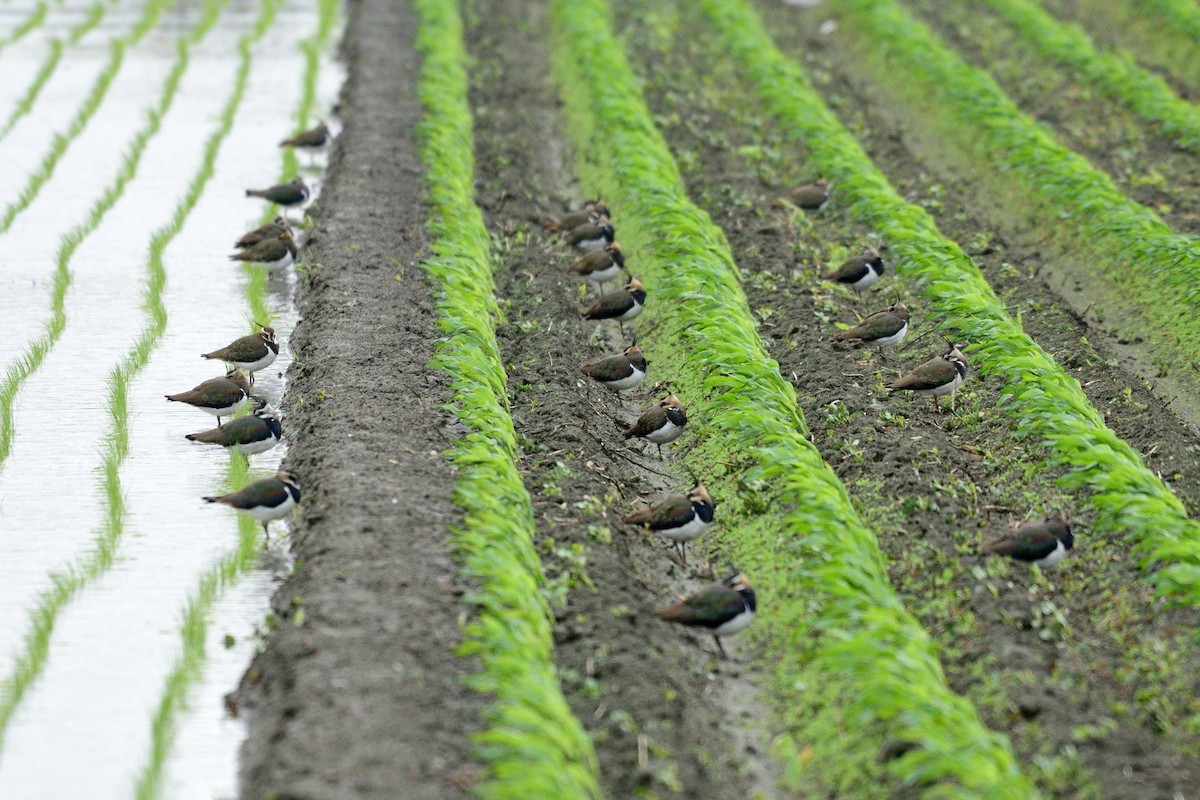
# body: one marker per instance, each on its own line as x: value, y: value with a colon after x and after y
x: 723, y: 609
x: 660, y: 424
x: 249, y: 435
x: 618, y: 372
x: 592, y: 211
x: 858, y: 272
x: 249, y: 353
x: 590, y: 235
x: 274, y: 254
x: 881, y: 329
x: 621, y: 305
x: 293, y: 193
x: 599, y: 266
x: 682, y: 518
x: 1043, y: 543
x: 935, y: 378
x: 313, y: 139
x: 269, y: 231
x: 218, y: 396
x: 811, y: 196
x: 265, y: 499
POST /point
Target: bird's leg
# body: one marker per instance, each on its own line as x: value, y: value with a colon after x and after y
x: 953, y: 392
x: 721, y: 647
x: 682, y: 552
x: 266, y: 532
x: 659, y: 446
x: 621, y: 325
x: 218, y: 422
x: 936, y: 405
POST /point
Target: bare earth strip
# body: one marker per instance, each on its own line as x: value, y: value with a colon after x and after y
x: 365, y: 699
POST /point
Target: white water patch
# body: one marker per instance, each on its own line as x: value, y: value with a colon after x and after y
x: 89, y: 165
x: 22, y: 150
x: 117, y: 639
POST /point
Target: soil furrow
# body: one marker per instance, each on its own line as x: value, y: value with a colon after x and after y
x: 364, y: 694
x: 661, y: 718
x: 1075, y: 670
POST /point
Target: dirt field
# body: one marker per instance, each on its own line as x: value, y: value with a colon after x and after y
x: 1086, y: 672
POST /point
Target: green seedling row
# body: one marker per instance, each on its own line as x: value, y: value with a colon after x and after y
x: 151, y: 13
x: 66, y: 583
x: 50, y: 64
x: 1047, y: 405
x: 1118, y: 76
x: 29, y: 361
x: 849, y: 666
x: 1067, y: 200
x: 193, y: 631
x: 1161, y: 33
x: 31, y: 22
x: 531, y: 745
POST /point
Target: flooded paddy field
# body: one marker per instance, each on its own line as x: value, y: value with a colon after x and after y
x: 462, y: 605
x: 129, y: 608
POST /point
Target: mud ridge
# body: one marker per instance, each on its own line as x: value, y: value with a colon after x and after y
x: 665, y: 716
x: 362, y: 694
x: 1052, y: 663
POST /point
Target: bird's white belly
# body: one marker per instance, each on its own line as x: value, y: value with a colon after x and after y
x: 631, y: 313
x: 262, y: 363
x: 667, y: 433
x: 895, y: 338
x: 254, y: 448
x: 1060, y: 552
x: 627, y: 383
x: 944, y: 389
x: 267, y: 513
x: 588, y: 245
x: 866, y: 280
x: 228, y: 411
x: 686, y: 533
x: 734, y: 625
x: 604, y: 275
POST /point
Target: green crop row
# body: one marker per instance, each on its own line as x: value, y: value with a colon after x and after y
x: 531, y: 747
x: 66, y: 583
x: 1047, y: 404
x: 1161, y: 33
x: 839, y: 645
x: 58, y: 146
x: 34, y: 20
x: 28, y: 362
x: 1116, y: 75
x: 196, y: 612
x: 50, y: 63
x: 1056, y: 190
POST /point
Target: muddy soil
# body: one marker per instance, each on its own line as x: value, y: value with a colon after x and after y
x: 666, y: 716
x: 1093, y: 680
x: 362, y: 696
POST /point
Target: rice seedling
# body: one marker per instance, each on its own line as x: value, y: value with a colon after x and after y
x: 1047, y: 405
x: 531, y: 745
x: 117, y: 47
x: 50, y: 63
x: 838, y: 644
x: 28, y: 362
x: 1073, y: 205
x: 35, y: 19
x: 66, y: 583
x: 1163, y: 33
x: 1117, y: 75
